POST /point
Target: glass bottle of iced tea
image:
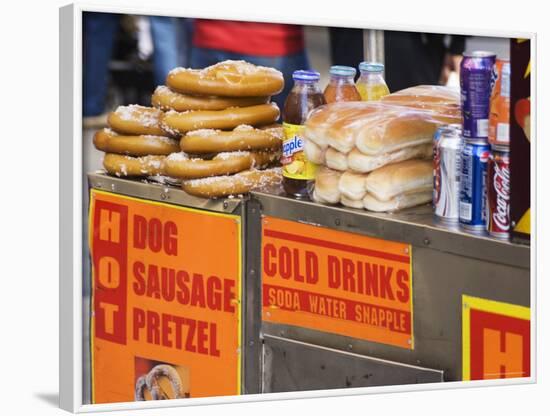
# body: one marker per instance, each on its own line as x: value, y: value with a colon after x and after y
x: 371, y: 84
x: 298, y: 172
x: 341, y: 86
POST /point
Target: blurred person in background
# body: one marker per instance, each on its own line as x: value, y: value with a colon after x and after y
x: 411, y: 58
x: 346, y: 46
x: 279, y: 46
x: 98, y: 42
x: 164, y: 36
x: 159, y: 38
x: 421, y: 58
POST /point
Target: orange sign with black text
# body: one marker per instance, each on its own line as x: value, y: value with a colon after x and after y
x: 166, y: 284
x: 337, y: 282
x: 496, y: 339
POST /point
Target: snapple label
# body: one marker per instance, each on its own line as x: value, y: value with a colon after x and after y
x: 294, y: 161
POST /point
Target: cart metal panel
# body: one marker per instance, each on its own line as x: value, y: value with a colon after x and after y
x: 297, y: 366
x: 415, y: 226
x: 446, y: 265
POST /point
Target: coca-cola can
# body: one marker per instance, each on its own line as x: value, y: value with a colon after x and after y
x: 498, y: 192
x: 447, y: 148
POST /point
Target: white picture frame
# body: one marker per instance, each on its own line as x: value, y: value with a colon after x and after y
x: 71, y: 219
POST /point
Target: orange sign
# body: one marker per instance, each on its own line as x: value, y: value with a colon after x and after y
x: 337, y: 282
x: 496, y: 339
x: 166, y: 284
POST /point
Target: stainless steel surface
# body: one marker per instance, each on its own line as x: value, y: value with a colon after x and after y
x: 439, y: 281
x: 446, y: 264
x: 298, y: 366
x: 252, y: 300
x: 415, y: 226
x: 162, y: 193
x: 373, y: 45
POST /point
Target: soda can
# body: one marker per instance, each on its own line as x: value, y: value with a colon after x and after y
x: 498, y: 192
x: 499, y: 113
x: 473, y: 186
x: 447, y: 149
x: 476, y: 69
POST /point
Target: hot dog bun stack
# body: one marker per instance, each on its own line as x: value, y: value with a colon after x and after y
x: 377, y: 155
x: 223, y: 117
x: 134, y: 143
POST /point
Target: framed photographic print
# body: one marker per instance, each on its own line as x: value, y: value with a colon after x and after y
x: 263, y: 209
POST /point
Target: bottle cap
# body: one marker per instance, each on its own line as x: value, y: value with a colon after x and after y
x: 306, y: 75
x: 342, y: 71
x: 371, y: 67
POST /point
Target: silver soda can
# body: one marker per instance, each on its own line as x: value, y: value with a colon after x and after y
x: 447, y: 149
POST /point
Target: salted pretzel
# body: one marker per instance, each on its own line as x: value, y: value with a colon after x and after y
x: 242, y: 137
x: 164, y: 370
x: 240, y: 183
x: 180, y: 123
x: 121, y: 165
x: 109, y: 141
x: 181, y: 165
x: 227, y: 79
x: 167, y: 99
x: 135, y: 120
x: 139, y: 392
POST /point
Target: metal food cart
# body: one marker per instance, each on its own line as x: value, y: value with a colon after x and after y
x: 448, y: 274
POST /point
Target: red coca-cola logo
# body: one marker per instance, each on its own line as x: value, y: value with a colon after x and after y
x: 501, y: 186
x: 484, y: 156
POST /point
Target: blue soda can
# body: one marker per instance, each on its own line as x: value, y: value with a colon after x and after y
x: 473, y: 186
x: 476, y: 79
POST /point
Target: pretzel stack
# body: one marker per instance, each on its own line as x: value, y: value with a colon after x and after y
x: 134, y: 144
x: 212, y: 130
x: 224, y: 119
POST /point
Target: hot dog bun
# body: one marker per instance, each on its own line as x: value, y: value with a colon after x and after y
x: 326, y: 185
x: 353, y: 185
x: 362, y: 163
x: 400, y: 178
x: 336, y: 160
x: 398, y: 202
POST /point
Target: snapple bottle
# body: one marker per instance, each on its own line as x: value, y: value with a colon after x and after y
x: 371, y: 84
x: 341, y: 86
x: 298, y: 172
